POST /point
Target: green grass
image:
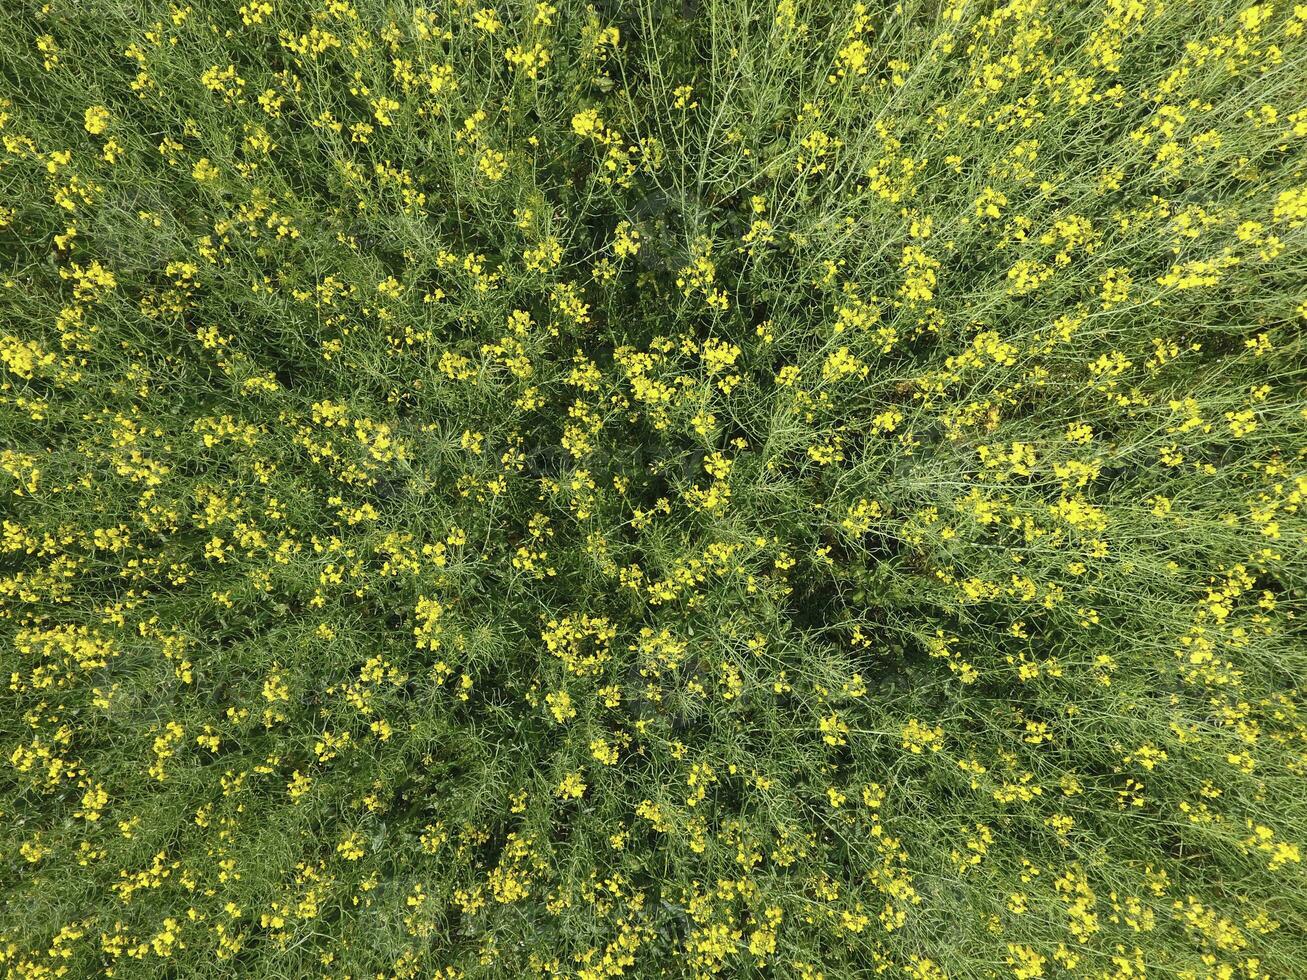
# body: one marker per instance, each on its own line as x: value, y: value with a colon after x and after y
x: 653, y: 489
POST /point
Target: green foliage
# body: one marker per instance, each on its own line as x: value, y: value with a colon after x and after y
x: 653, y: 489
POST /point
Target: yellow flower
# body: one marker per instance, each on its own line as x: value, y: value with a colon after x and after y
x: 917, y: 736
x: 97, y: 120
x: 572, y: 787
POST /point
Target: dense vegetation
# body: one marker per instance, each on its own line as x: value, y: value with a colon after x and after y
x: 669, y: 488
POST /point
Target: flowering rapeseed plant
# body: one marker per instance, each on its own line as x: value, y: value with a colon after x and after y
x: 742, y: 488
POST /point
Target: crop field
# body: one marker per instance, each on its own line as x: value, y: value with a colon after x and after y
x: 659, y: 488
